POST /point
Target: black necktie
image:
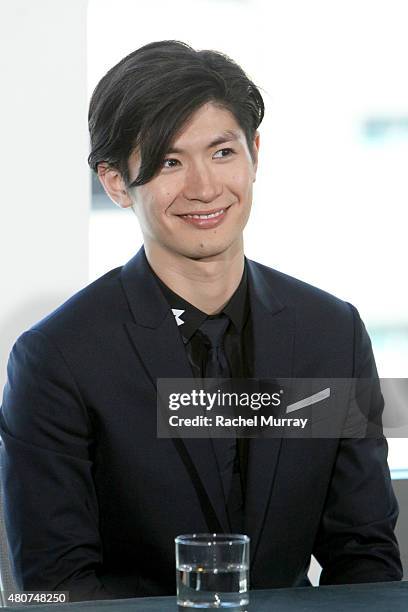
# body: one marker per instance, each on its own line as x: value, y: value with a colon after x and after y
x: 225, y: 449
x: 214, y: 330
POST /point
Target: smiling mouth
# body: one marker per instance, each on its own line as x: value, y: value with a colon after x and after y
x: 205, y: 214
x: 206, y: 219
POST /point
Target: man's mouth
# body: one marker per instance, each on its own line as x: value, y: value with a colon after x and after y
x: 205, y: 215
x: 206, y: 218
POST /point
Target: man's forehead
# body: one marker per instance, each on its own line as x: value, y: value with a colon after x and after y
x: 209, y: 126
x: 208, y: 140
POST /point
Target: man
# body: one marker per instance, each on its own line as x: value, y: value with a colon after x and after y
x: 94, y: 497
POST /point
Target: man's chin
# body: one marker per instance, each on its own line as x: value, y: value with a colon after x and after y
x: 203, y: 250
x: 206, y: 253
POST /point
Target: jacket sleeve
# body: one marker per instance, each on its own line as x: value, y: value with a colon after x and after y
x: 355, y: 541
x: 51, y: 507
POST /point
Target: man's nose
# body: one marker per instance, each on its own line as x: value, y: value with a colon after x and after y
x: 201, y: 183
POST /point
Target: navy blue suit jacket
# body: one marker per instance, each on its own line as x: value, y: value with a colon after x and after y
x: 94, y: 499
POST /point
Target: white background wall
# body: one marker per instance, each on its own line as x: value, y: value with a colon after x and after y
x: 45, y: 199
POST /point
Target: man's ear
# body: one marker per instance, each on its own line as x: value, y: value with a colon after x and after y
x: 114, y: 185
x: 255, y: 151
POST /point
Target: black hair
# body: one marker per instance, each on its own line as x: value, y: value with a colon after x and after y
x: 145, y: 99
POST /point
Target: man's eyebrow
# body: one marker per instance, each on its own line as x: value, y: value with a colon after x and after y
x: 226, y: 136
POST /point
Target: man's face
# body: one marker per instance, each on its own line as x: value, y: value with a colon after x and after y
x: 207, y: 170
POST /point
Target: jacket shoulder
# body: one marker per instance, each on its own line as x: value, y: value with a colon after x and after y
x: 307, y: 298
x: 97, y: 303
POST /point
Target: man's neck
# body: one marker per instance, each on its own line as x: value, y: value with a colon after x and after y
x: 207, y: 284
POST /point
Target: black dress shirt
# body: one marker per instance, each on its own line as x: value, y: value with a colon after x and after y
x: 237, y: 339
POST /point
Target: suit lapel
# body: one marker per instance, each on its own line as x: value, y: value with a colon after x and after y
x: 273, y: 336
x: 158, y: 343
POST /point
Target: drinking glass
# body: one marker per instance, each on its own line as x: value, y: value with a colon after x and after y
x: 212, y: 571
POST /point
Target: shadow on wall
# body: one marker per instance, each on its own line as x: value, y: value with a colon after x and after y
x: 21, y: 320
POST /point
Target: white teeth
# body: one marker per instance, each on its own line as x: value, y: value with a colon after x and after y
x: 210, y: 216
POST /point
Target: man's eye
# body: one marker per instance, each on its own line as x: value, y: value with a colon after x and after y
x: 223, y: 153
x: 170, y: 163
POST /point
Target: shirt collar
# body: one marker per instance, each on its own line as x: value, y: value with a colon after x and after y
x: 189, y: 318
